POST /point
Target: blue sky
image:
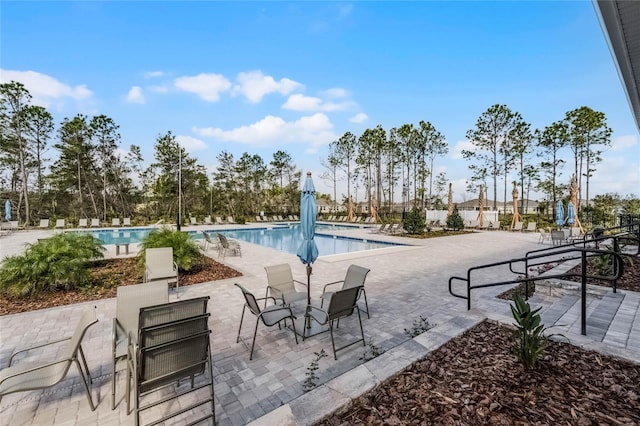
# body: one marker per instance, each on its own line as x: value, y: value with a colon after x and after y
x: 263, y: 76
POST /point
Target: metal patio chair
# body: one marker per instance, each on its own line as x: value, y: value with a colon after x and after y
x: 228, y: 246
x: 173, y: 344
x: 38, y: 375
x: 159, y: 265
x: 129, y: 300
x: 355, y: 277
x: 269, y: 315
x: 341, y: 305
x: 281, y: 285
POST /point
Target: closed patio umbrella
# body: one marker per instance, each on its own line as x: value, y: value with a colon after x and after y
x: 571, y: 214
x: 7, y: 210
x: 308, y: 251
x: 559, y: 214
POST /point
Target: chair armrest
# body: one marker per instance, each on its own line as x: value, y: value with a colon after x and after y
x: 175, y: 267
x: 283, y: 308
x: 119, y: 334
x: 34, y: 368
x: 333, y: 283
x: 26, y: 349
x: 310, y: 310
x: 301, y: 283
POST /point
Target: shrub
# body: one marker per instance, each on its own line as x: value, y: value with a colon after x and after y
x: 530, y: 342
x: 59, y: 262
x: 414, y: 222
x: 186, y: 253
x: 454, y: 221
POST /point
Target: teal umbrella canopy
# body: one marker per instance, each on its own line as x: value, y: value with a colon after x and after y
x: 308, y: 250
x: 7, y: 210
x: 559, y: 214
x: 571, y: 214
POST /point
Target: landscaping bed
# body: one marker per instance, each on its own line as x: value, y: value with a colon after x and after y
x: 476, y: 379
x: 106, y: 276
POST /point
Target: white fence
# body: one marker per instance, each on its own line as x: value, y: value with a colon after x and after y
x: 466, y: 215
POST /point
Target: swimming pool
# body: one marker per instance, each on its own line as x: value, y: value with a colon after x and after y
x: 283, y: 238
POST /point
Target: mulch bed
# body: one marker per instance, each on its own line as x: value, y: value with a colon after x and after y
x: 106, y: 276
x: 475, y: 380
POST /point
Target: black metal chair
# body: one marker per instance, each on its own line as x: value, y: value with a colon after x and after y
x: 341, y: 305
x: 270, y: 315
x: 356, y: 275
x: 173, y: 344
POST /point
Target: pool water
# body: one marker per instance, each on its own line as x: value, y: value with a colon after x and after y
x: 283, y: 238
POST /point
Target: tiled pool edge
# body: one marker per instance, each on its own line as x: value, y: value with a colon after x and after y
x: 337, y: 393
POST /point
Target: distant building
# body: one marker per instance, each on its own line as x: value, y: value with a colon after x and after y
x: 530, y: 206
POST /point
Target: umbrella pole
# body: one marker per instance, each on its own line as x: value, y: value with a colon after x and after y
x: 306, y: 313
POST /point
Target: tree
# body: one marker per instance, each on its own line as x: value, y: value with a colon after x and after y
x: 406, y: 137
x: 346, y: 149
x: 104, y: 133
x: 588, y: 129
x: 491, y: 138
x: 522, y: 138
x: 38, y: 132
x: 436, y: 146
x: 280, y: 163
x: 552, y: 139
x: 331, y: 172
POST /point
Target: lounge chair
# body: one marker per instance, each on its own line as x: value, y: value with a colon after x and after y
x: 193, y: 220
x: 95, y: 223
x: 545, y: 235
x: 219, y: 220
x: 355, y: 277
x: 341, y: 305
x: 82, y: 223
x: 382, y: 229
x: 126, y: 221
x: 295, y: 217
x: 209, y: 242
x: 517, y: 227
x: 275, y: 218
x: 13, y: 225
x: 258, y: 219
x: 129, y: 300
x: 174, y: 344
x: 159, y: 265
x: 115, y: 221
x: 531, y: 227
x: 228, y: 246
x: 60, y: 224
x: 207, y: 220
x: 494, y: 226
x: 39, y: 375
x: 557, y: 238
x: 44, y: 224
x: 230, y: 219
x: 281, y: 285
x: 269, y: 315
x: 290, y: 217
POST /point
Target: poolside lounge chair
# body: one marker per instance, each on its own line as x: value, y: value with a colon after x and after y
x: 281, y: 285
x: 126, y: 221
x: 95, y: 223
x: 295, y: 217
x: 209, y: 242
x: 381, y: 229
x: 258, y: 219
x: 230, y: 219
x: 173, y: 345
x: 291, y: 217
x: 494, y: 226
x: 207, y: 220
x: 228, y: 246
x: 341, y: 305
x: 27, y: 376
x: 44, y: 224
x: 531, y: 227
x: 193, y: 220
x: 159, y: 265
x: 545, y: 235
x: 129, y: 300
x: 269, y: 315
x: 356, y: 275
x: 60, y: 224
x: 517, y: 227
x: 82, y: 223
x: 115, y: 221
x: 557, y: 238
x: 219, y: 220
x: 275, y: 218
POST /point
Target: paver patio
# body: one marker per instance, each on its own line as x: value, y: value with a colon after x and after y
x: 404, y: 284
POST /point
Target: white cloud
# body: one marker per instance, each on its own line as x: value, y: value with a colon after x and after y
x: 154, y: 74
x: 456, y: 152
x: 206, y: 86
x: 315, y: 130
x: 335, y: 93
x: 45, y: 89
x: 190, y: 143
x: 300, y: 102
x: 254, y: 85
x: 360, y: 117
x: 624, y: 142
x: 135, y: 95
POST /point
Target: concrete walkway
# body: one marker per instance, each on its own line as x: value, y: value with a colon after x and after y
x: 404, y: 284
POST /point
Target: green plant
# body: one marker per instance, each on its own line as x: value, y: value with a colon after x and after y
x: 50, y: 264
x: 372, y: 352
x: 455, y: 221
x: 311, y: 376
x: 530, y: 341
x: 414, y: 222
x: 186, y: 253
x: 418, y: 327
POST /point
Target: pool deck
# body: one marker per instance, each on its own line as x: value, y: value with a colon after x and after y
x: 404, y: 284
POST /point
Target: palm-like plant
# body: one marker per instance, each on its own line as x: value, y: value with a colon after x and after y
x: 186, y: 253
x: 50, y: 264
x: 530, y: 342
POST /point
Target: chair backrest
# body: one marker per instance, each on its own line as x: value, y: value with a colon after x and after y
x: 193, y: 220
x: 219, y: 220
x: 207, y: 237
x: 250, y: 300
x: 159, y: 260
x: 44, y: 223
x: 131, y: 298
x: 95, y: 222
x: 355, y: 276
x: 59, y: 223
x: 342, y: 303
x: 531, y: 226
x: 230, y: 219
x: 82, y: 223
x: 280, y: 277
x: 115, y: 221
x: 223, y: 241
x: 87, y: 320
x: 150, y: 316
x: 126, y: 221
